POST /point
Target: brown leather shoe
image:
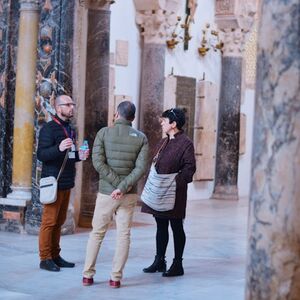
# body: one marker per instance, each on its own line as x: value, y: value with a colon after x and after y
x: 114, y: 284
x: 87, y: 281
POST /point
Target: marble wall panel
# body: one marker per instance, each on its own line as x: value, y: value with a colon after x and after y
x: 170, y: 92
x: 206, y: 112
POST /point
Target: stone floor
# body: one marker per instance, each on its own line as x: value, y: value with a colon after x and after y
x: 214, y: 261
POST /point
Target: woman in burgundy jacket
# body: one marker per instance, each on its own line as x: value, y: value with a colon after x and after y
x: 176, y: 154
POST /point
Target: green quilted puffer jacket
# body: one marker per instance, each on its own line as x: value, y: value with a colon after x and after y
x: 120, y: 156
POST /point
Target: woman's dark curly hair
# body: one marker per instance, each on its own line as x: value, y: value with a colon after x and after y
x: 175, y: 114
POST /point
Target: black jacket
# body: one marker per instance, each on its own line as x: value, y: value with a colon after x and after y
x: 50, y: 136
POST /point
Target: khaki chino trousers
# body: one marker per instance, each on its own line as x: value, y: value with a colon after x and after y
x: 105, y: 209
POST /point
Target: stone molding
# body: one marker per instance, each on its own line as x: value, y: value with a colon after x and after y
x: 29, y: 5
x: 235, y: 13
x: 96, y: 4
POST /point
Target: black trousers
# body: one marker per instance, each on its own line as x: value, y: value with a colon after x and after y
x: 162, y: 236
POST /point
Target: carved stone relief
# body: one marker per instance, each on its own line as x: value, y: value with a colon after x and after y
x: 156, y: 19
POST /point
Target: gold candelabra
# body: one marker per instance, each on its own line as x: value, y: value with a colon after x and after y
x: 210, y: 39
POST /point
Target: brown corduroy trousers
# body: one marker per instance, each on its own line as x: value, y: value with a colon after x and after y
x: 54, y: 216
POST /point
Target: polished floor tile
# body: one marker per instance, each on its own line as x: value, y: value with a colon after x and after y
x: 214, y: 261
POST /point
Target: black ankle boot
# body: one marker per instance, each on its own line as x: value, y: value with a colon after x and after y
x: 176, y: 269
x: 159, y: 265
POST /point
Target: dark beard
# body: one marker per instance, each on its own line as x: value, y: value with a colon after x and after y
x: 68, y: 117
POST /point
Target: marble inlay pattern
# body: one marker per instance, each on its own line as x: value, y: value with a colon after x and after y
x: 250, y: 57
x: 54, y: 70
x: 274, y: 226
x: 96, y: 102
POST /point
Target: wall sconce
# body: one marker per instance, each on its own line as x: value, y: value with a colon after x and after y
x: 180, y: 35
x: 210, y: 39
x: 175, y: 37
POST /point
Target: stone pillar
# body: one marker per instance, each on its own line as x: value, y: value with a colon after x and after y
x: 273, y: 266
x: 234, y: 20
x: 154, y: 17
x: 96, y: 97
x: 24, y: 105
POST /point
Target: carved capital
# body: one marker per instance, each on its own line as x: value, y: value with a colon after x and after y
x: 156, y: 18
x: 97, y: 4
x: 234, y: 42
x: 29, y: 5
x: 156, y: 25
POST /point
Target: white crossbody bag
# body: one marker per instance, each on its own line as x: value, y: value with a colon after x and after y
x: 48, y: 185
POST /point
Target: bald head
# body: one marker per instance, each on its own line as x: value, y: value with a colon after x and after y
x: 62, y: 99
x: 64, y: 107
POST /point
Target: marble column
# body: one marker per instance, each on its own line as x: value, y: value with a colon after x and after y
x: 227, y: 155
x: 154, y: 18
x: 273, y: 266
x: 24, y: 105
x: 96, y: 97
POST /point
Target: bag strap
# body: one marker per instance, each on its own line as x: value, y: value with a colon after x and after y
x: 63, y: 164
x: 155, y: 158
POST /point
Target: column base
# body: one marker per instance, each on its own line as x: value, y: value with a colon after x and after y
x: 20, y: 196
x: 225, y: 192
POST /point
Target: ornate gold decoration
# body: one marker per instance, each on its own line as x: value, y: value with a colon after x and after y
x: 210, y: 39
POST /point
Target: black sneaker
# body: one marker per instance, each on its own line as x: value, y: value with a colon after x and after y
x: 62, y: 263
x: 49, y: 265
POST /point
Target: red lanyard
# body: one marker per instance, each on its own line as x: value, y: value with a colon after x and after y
x: 63, y: 127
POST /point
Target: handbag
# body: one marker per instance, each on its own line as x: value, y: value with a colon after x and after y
x: 48, y: 185
x: 160, y: 189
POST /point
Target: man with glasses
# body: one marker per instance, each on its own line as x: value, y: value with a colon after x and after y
x: 57, y: 140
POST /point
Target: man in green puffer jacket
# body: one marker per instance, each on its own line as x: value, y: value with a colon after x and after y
x: 120, y: 155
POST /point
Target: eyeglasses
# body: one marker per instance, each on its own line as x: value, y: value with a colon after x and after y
x: 67, y: 104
